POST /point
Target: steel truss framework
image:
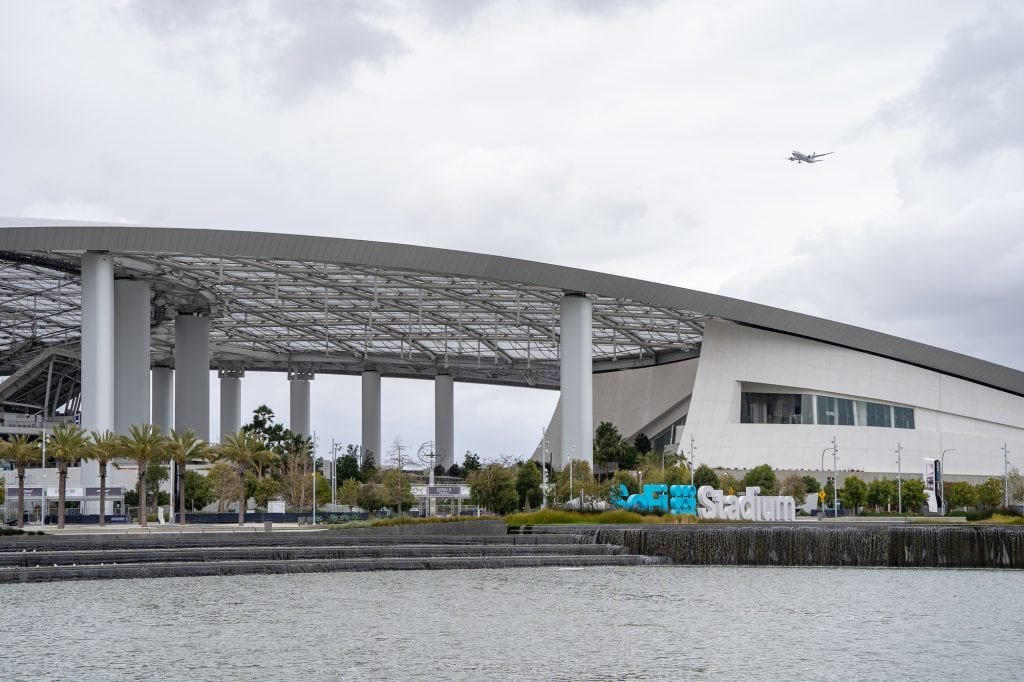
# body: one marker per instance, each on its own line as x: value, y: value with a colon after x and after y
x: 304, y: 316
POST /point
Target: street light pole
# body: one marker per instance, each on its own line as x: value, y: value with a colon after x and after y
x: 1006, y: 476
x: 899, y: 477
x: 42, y: 474
x: 572, y: 453
x: 544, y: 456
x: 942, y: 476
x: 835, y: 478
x: 824, y: 481
x: 693, y: 460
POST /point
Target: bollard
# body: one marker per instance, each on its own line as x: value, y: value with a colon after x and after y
x: 268, y: 526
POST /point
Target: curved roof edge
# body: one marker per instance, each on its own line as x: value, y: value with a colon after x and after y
x: 19, y: 234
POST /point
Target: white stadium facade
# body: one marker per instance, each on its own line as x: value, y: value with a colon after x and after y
x: 114, y: 325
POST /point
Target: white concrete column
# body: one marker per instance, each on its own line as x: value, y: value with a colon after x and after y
x: 97, y: 350
x: 192, y: 374
x: 298, y: 383
x: 131, y: 345
x: 371, y: 415
x: 444, y: 420
x: 577, y: 380
x: 163, y: 398
x: 230, y: 401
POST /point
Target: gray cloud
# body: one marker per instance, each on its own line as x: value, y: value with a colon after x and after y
x: 973, y: 96
x: 287, y: 49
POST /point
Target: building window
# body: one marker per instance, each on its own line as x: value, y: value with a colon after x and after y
x: 903, y: 417
x: 772, y: 408
x: 803, y: 408
x: 876, y: 414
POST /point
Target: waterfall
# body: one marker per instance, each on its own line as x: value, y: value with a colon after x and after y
x: 826, y: 545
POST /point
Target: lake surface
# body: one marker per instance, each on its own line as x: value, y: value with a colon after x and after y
x: 654, y: 623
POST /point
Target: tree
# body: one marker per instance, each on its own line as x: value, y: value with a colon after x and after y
x: 155, y: 475
x: 730, y: 485
x: 183, y: 447
x: 323, y: 489
x: 348, y: 493
x: 368, y: 466
x: 102, y: 450
x: 67, y: 444
x: 144, y: 444
x: 881, y: 493
x: 914, y: 496
x: 370, y: 497
x: 493, y: 487
x: 348, y: 465
x: 528, y: 481
x: 20, y: 451
x: 854, y: 493
x: 396, y: 490
x: 642, y: 443
x: 296, y: 479
x: 241, y: 450
x: 266, y: 489
x: 990, y: 493
x: 811, y: 484
x: 960, y: 495
x: 456, y: 471
x: 1016, y: 485
x: 609, y: 445
x: 763, y: 477
x: 627, y: 479
x: 224, y: 483
x: 705, y: 475
x: 830, y: 491
x: 582, y: 482
x: 795, y: 486
x: 198, y: 491
x: 470, y: 463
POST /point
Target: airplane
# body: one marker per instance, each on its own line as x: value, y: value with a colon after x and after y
x: 800, y: 157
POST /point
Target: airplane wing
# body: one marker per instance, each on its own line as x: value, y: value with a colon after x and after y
x: 825, y: 154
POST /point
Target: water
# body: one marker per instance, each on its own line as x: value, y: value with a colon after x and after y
x: 594, y: 624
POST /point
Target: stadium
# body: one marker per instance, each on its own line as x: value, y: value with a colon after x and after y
x: 113, y: 325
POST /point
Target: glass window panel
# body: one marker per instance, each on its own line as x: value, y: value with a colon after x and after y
x: 806, y: 409
x: 844, y: 411
x: 903, y: 417
x: 826, y: 410
x: 879, y: 415
x: 771, y: 408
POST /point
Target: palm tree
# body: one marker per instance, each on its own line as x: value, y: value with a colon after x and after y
x: 20, y: 451
x: 182, y: 447
x: 103, y: 449
x: 243, y: 450
x: 143, y: 445
x: 68, y: 444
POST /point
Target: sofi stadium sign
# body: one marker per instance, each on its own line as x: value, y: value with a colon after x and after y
x: 706, y: 502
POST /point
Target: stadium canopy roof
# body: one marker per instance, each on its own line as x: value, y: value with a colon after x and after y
x: 329, y: 305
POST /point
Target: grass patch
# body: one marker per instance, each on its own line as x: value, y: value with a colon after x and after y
x: 407, y: 521
x: 1006, y: 520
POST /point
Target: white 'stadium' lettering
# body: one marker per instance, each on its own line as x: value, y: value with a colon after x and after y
x: 713, y: 504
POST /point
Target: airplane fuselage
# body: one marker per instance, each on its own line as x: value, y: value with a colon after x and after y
x: 800, y: 157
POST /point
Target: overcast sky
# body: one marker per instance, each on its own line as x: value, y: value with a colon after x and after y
x: 646, y: 139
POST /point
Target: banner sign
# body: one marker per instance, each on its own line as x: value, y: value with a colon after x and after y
x: 115, y: 491
x: 706, y: 502
x: 446, y: 491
